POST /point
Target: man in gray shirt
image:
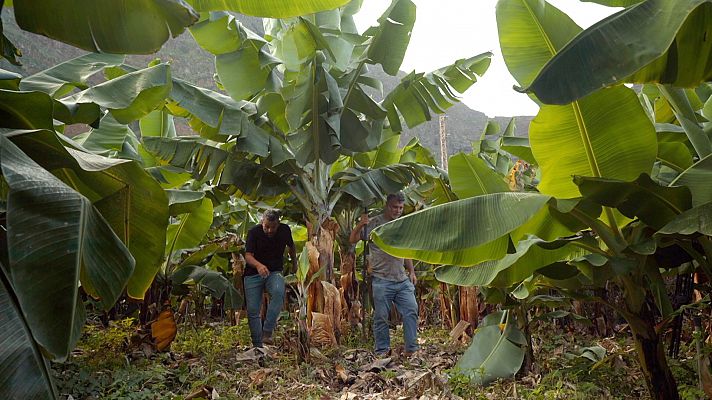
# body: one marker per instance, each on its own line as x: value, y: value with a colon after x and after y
x: 390, y: 282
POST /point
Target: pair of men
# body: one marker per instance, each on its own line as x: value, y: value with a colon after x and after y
x: 390, y: 284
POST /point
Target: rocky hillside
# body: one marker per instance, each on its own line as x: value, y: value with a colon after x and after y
x: 190, y: 62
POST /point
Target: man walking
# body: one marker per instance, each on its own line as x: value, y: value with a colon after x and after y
x: 264, y: 254
x: 391, y: 283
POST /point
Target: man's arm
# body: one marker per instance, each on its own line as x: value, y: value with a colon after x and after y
x: 261, y: 268
x: 355, y: 235
x: 411, y: 270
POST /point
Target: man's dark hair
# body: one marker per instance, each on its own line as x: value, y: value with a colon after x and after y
x: 271, y: 215
x: 398, y: 196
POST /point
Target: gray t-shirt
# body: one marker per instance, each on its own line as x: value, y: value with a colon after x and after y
x: 384, y: 265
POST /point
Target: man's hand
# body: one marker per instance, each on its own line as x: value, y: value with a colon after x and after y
x: 364, y: 220
x: 412, y: 277
x: 262, y: 270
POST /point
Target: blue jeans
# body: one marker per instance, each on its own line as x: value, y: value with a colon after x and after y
x: 403, y: 295
x: 255, y: 285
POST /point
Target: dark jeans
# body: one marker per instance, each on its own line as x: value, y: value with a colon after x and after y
x: 255, y: 285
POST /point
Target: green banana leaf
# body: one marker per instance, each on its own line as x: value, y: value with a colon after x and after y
x: 531, y: 254
x: 653, y: 204
x: 614, y: 3
x: 25, y: 110
x: 158, y: 123
x: 24, y: 373
x: 131, y: 201
x: 268, y: 8
x: 369, y: 185
x: 131, y: 96
x: 183, y: 201
x: 458, y: 233
x: 697, y: 179
x: 110, y: 139
x: 119, y: 27
x: 606, y: 134
x: 662, y: 41
x: 391, y: 37
x: 193, y: 155
x: 470, y: 176
x: 495, y: 353
x: 698, y: 219
x: 419, y: 93
x: 62, y: 79
x: 9, y: 80
x: 82, y: 248
x: 190, y: 228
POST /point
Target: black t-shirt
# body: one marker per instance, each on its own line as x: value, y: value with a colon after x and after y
x: 268, y: 250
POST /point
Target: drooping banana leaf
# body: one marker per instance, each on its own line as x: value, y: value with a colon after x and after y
x: 419, y: 94
x: 459, y: 232
x: 24, y: 372
x: 128, y: 198
x: 131, y: 96
x: 82, y: 247
x: 119, y: 27
x: 664, y: 41
x: 190, y: 154
x: 470, y: 176
x: 158, y: 123
x: 59, y: 80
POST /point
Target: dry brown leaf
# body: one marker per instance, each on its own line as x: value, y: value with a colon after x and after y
x: 378, y: 365
x: 258, y: 377
x: 322, y: 332
x: 164, y: 329
x: 342, y: 374
x: 332, y: 305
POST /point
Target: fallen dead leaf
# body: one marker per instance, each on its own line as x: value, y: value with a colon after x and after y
x: 258, y: 377
x: 378, y: 365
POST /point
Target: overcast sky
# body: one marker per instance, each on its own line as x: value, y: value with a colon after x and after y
x: 446, y: 30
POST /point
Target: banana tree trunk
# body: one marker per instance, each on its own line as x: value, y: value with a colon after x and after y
x: 469, y: 310
x: 445, y: 307
x: 651, y: 353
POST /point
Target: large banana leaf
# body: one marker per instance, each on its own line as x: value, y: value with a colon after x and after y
x: 193, y: 155
x: 458, y: 233
x: 496, y: 352
x: 418, y: 94
x: 268, y: 8
x: 216, y: 283
x: 665, y: 41
x: 158, y: 123
x: 60, y: 80
x: 130, y: 96
x: 369, y: 185
x: 606, y: 134
x: 184, y: 201
x: 121, y: 26
x: 110, y: 139
x: 131, y: 201
x: 24, y: 373
x: 81, y: 247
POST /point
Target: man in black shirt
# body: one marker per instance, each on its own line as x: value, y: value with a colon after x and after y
x: 264, y: 254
